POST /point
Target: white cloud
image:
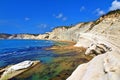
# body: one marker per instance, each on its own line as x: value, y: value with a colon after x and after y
x: 64, y: 18
x: 99, y: 12
x: 27, y: 19
x: 115, y: 5
x: 82, y: 8
x: 42, y: 25
x: 51, y: 27
x: 60, y: 16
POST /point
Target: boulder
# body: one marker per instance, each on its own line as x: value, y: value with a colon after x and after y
x: 97, y: 49
x: 17, y: 67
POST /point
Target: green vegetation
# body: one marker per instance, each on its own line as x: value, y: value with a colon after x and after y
x: 66, y: 27
x: 97, y: 22
x: 109, y: 13
x: 93, y: 24
x: 113, y: 12
x: 86, y: 23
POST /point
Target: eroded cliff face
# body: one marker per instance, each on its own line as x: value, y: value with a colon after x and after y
x: 106, y: 26
x: 103, y: 41
x: 69, y: 33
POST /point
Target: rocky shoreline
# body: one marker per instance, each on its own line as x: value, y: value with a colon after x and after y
x: 61, y: 67
x: 105, y: 66
x: 17, y: 69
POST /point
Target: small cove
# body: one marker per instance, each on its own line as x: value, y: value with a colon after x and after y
x: 55, y: 64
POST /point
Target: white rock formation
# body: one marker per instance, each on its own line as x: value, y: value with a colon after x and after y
x: 97, y: 49
x: 19, y: 66
x: 102, y: 67
x: 16, y: 67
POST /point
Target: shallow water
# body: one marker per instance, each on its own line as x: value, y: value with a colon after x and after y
x: 53, y: 64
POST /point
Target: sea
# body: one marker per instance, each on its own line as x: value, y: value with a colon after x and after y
x: 15, y: 51
x: 54, y: 65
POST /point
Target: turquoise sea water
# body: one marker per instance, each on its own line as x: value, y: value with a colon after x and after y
x: 54, y: 65
x: 15, y: 51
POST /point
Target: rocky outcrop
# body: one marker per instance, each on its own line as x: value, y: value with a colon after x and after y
x: 16, y: 67
x: 14, y: 70
x: 97, y: 49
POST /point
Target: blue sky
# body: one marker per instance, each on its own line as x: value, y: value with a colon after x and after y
x: 40, y: 16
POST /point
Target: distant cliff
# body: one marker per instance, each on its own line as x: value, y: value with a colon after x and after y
x: 4, y: 36
x: 106, y: 25
x: 18, y: 36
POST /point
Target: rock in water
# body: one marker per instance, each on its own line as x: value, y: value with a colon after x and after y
x: 19, y: 66
x: 16, y: 67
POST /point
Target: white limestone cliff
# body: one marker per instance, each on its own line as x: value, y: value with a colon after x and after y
x: 103, y: 40
x: 102, y: 67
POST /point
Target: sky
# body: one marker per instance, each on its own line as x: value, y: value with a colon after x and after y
x: 40, y: 16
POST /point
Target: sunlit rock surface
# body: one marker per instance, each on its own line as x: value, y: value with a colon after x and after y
x: 102, y: 67
x: 106, y: 65
x: 16, y: 69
